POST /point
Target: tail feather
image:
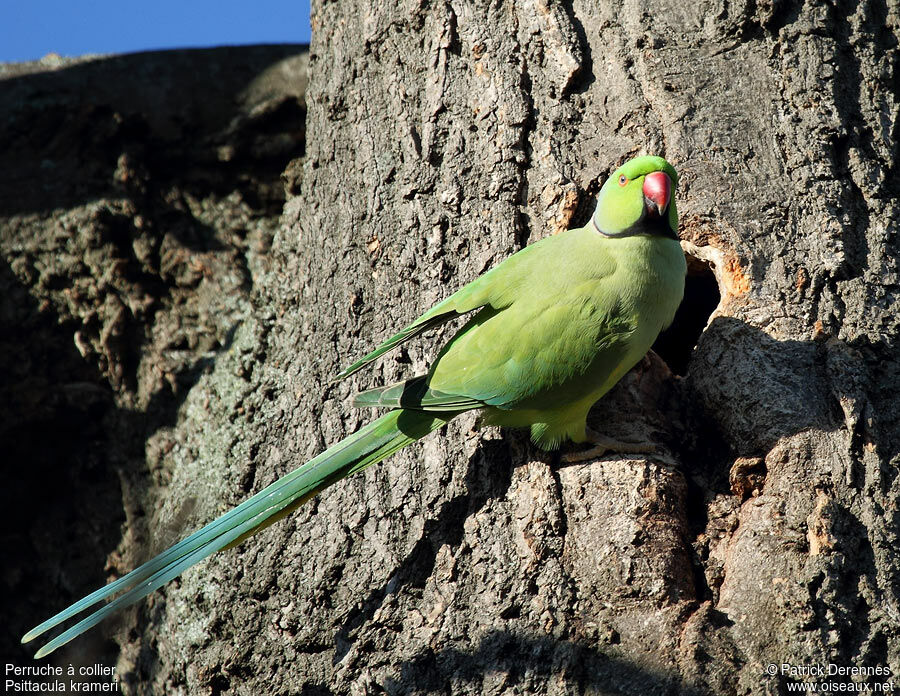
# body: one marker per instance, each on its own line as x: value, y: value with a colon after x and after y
x: 369, y: 445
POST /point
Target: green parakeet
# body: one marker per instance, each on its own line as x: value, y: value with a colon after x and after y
x: 555, y: 326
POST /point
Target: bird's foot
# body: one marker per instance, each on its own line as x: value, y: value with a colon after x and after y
x: 602, y: 445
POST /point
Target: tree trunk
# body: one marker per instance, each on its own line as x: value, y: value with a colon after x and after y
x: 442, y: 138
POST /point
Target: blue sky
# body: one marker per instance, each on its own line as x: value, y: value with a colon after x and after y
x: 30, y: 29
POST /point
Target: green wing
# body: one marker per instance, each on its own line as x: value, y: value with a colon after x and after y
x: 570, y: 323
x: 415, y: 394
x: 497, y: 288
x: 420, y: 325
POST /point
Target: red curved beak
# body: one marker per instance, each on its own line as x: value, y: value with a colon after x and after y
x: 657, y: 193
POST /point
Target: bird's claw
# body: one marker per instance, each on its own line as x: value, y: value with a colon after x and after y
x: 602, y: 445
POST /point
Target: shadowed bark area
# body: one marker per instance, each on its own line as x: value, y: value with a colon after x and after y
x: 441, y: 138
x: 139, y: 196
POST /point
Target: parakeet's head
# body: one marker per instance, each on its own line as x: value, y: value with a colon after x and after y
x: 639, y: 198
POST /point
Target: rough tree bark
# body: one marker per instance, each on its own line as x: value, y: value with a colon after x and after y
x: 444, y: 136
x: 139, y: 196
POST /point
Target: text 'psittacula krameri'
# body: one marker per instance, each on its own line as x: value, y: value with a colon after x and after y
x: 555, y: 326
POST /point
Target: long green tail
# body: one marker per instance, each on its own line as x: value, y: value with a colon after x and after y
x: 367, y: 446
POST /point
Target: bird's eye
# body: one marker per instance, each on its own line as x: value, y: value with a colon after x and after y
x: 623, y: 180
